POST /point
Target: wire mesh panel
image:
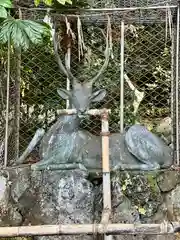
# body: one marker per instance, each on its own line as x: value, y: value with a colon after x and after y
x: 147, y: 72
x: 130, y: 3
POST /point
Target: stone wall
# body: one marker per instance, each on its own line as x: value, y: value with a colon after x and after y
x: 52, y: 197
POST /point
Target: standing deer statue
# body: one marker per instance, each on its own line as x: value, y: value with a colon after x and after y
x: 65, y: 146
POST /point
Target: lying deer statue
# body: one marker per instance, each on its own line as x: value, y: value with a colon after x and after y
x: 65, y: 146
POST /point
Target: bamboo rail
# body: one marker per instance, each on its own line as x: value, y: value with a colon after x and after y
x: 90, y: 229
x: 90, y: 112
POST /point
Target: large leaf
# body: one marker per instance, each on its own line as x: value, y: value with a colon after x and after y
x: 23, y: 33
x: 3, y: 12
x: 6, y: 3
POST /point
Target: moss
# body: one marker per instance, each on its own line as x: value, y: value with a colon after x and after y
x: 141, y: 189
x: 151, y: 177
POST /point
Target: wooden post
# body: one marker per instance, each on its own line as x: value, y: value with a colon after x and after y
x: 106, y: 172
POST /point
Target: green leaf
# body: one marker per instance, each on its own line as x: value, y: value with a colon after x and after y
x: 6, y: 3
x: 141, y: 210
x: 3, y: 12
x: 64, y: 1
x: 69, y: 1
x: 23, y: 33
x: 48, y: 2
x: 124, y: 187
x: 37, y: 2
x: 61, y: 1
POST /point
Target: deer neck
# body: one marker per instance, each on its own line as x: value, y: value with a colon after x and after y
x: 70, y: 122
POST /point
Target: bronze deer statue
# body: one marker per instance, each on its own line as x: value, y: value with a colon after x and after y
x: 65, y: 146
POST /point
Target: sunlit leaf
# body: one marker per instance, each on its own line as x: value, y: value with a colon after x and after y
x: 150, y: 127
x: 69, y: 1
x: 23, y: 33
x: 6, y: 3
x: 37, y: 2
x: 141, y: 210
x: 48, y: 2
x: 3, y: 12
x: 61, y: 1
x: 64, y: 1
x: 124, y: 187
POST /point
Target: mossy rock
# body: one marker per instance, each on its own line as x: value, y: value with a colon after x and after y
x: 168, y: 180
x: 140, y: 188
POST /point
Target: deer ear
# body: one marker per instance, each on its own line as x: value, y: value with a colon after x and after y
x: 98, y: 95
x: 65, y: 94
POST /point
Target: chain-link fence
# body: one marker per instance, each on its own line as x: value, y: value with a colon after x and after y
x: 147, y: 73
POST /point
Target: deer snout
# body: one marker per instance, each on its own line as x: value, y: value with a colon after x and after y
x: 81, y: 112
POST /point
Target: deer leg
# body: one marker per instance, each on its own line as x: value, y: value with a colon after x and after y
x: 51, y: 163
x: 37, y: 137
x: 60, y: 166
x: 140, y: 166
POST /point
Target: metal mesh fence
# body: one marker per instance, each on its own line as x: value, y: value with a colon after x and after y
x: 147, y: 74
x: 131, y: 3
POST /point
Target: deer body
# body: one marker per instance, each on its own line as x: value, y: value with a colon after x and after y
x: 130, y: 151
x: 137, y: 149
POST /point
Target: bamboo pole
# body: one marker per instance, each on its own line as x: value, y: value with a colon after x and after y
x: 76, y: 229
x: 106, y: 172
x: 90, y: 112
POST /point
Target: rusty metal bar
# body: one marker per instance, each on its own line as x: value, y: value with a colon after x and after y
x: 68, y: 59
x: 177, y: 86
x: 106, y: 172
x: 102, y: 10
x: 173, y: 103
x: 76, y: 229
x: 7, y: 105
x: 122, y: 80
x: 67, y: 80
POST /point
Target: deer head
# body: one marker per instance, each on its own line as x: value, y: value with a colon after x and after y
x: 81, y: 94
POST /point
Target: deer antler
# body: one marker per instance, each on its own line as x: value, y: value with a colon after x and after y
x: 66, y: 70
x: 107, y: 54
x: 62, y: 68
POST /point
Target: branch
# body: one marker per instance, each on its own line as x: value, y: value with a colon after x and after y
x: 107, y: 53
x: 139, y: 95
x: 37, y: 137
